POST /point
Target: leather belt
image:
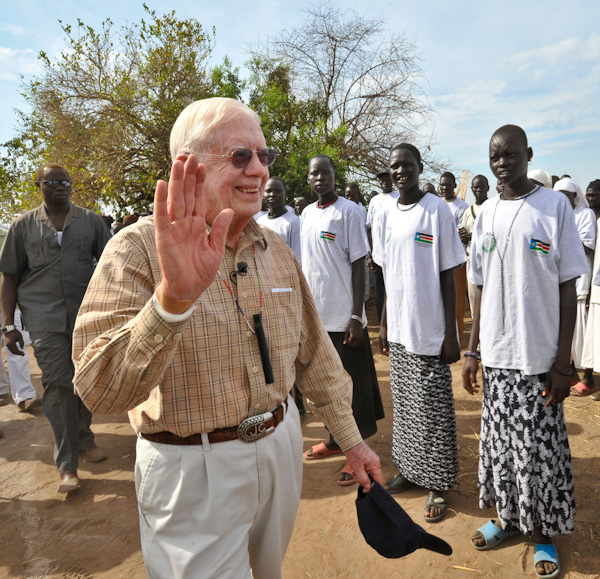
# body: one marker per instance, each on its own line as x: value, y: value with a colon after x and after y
x: 249, y: 430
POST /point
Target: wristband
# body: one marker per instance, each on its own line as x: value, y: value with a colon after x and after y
x: 562, y: 373
x: 357, y: 318
x: 472, y: 355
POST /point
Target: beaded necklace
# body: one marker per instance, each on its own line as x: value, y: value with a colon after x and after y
x: 319, y: 206
x: 489, y: 244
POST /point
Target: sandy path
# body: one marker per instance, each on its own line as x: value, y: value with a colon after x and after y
x: 94, y: 531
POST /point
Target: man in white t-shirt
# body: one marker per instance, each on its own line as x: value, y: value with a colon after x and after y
x: 457, y: 208
x: 334, y: 246
x: 377, y: 206
x: 279, y: 218
x: 525, y: 257
x: 352, y: 193
x: 480, y: 187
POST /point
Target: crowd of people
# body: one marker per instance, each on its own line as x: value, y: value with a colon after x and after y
x: 211, y: 319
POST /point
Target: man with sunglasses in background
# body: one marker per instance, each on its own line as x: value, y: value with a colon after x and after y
x: 198, y: 322
x: 47, y: 261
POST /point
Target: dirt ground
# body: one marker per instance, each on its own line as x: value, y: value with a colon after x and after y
x: 93, y: 532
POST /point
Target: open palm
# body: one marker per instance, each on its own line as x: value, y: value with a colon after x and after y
x: 188, y: 254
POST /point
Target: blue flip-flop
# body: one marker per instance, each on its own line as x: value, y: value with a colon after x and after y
x: 493, y: 536
x: 547, y: 554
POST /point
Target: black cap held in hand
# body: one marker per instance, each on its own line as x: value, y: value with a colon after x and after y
x: 387, y: 527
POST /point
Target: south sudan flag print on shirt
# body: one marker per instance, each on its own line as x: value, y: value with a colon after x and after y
x: 328, y: 236
x: 424, y: 238
x: 537, y: 245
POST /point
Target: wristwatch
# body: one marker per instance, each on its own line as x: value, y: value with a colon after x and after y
x: 7, y: 329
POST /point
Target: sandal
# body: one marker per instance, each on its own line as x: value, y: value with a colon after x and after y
x: 546, y: 554
x: 346, y: 477
x: 595, y: 396
x: 321, y: 451
x: 436, y: 500
x: 397, y: 484
x: 580, y: 389
x: 493, y: 536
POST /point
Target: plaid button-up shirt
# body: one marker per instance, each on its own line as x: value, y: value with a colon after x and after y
x: 205, y: 372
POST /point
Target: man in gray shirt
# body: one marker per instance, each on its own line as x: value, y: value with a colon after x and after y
x: 47, y: 261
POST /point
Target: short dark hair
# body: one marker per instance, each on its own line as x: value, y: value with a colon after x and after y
x: 277, y: 179
x: 480, y: 177
x: 410, y: 148
x: 449, y: 175
x: 513, y: 131
x: 595, y: 184
x: 322, y: 156
x: 40, y: 172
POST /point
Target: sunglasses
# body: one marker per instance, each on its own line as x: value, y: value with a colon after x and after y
x: 55, y: 183
x: 240, y: 158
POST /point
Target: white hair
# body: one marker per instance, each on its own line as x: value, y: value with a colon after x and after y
x: 194, y: 129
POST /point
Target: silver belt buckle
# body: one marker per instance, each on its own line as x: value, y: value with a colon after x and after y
x: 253, y: 428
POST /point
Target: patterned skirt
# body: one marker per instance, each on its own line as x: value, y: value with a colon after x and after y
x: 525, y: 469
x: 424, y: 444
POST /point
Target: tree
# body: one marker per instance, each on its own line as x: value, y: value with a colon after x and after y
x: 105, y: 107
x: 338, y: 83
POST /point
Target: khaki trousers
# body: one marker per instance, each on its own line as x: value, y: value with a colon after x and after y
x: 219, y: 510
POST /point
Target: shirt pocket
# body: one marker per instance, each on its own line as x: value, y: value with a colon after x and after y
x: 85, y: 252
x: 36, y: 254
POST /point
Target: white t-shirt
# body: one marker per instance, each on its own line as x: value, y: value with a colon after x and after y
x: 377, y: 206
x: 288, y: 226
x: 543, y: 251
x: 332, y: 239
x: 468, y: 221
x: 457, y: 207
x: 585, y: 220
x: 418, y: 244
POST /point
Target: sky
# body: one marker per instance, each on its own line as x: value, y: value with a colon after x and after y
x: 485, y: 64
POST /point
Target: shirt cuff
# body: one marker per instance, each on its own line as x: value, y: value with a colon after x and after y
x: 168, y: 316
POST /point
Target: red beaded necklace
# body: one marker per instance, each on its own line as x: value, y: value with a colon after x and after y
x: 319, y: 206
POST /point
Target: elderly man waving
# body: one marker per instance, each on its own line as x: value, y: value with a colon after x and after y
x: 199, y: 322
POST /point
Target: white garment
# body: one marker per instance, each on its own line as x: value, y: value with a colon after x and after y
x: 585, y: 220
x: 219, y: 510
x: 419, y: 243
x: 288, y: 227
x: 377, y: 207
x: 18, y: 369
x: 543, y: 251
x: 258, y: 215
x: 363, y: 213
x: 332, y: 239
x: 579, y: 334
x: 591, y: 344
x: 457, y: 207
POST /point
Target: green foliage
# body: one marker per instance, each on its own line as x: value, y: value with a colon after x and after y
x: 105, y: 107
x: 295, y: 127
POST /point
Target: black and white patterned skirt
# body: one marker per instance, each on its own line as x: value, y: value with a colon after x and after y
x: 525, y: 469
x: 424, y: 441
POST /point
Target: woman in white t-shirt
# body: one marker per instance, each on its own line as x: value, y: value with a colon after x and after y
x: 421, y: 250
x: 525, y: 257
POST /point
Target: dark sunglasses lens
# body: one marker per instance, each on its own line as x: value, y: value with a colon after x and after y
x: 241, y: 158
x: 267, y: 156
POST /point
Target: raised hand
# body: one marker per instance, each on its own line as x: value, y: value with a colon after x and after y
x: 189, y: 256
